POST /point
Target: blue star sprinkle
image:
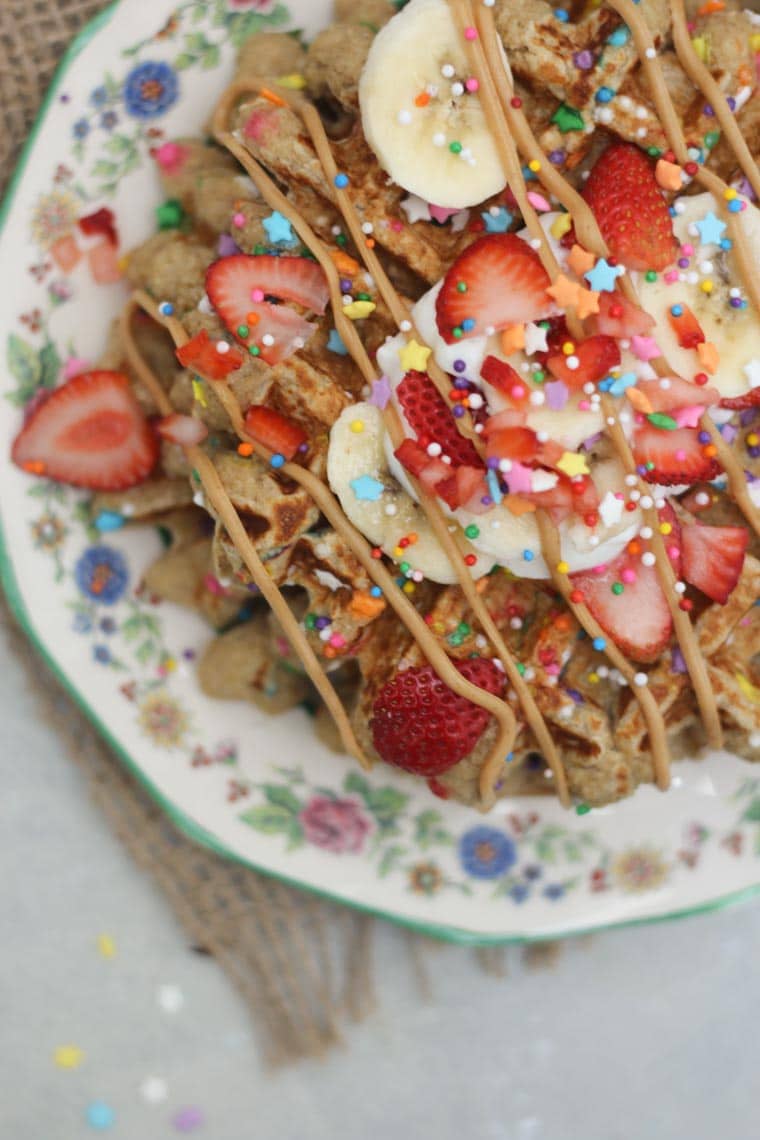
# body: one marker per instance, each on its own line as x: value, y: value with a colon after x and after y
x: 335, y: 343
x: 497, y: 223
x: 279, y: 229
x: 603, y: 276
x: 619, y: 385
x: 367, y: 488
x: 710, y: 229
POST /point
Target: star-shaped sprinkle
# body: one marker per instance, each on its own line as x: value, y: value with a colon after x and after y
x: 752, y: 372
x: 611, y: 509
x: 556, y: 395
x: 568, y: 119
x: 603, y: 276
x: 520, y: 478
x: 497, y: 222
x: 414, y: 356
x: 644, y: 347
x: 442, y: 213
x: 170, y: 998
x: 512, y: 338
x: 579, y: 259
x: 366, y: 488
x: 621, y: 383
x: 572, y: 463
x: 561, y: 224
x: 459, y: 221
x: 68, y: 1056
x: 710, y: 229
x: 154, y: 1090
x: 279, y: 230
x: 586, y: 303
x: 416, y: 209
x: 335, y: 343
x: 689, y: 416
x: 564, y: 291
x: 535, y: 339
x: 358, y: 310
x: 668, y: 175
x: 708, y: 355
x: 381, y: 392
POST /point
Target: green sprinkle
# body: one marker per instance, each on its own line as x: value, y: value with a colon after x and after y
x: 310, y: 621
x: 340, y: 240
x: 461, y: 286
x: 582, y: 809
x: 455, y: 639
x: 363, y: 297
x: 254, y: 350
x: 455, y: 147
x: 243, y: 330
x: 472, y: 531
x: 568, y: 119
x: 170, y: 214
x: 617, y: 588
x: 258, y: 249
x: 649, y: 465
x: 651, y: 275
x: 711, y: 139
x: 404, y: 567
x: 196, y: 475
x: 464, y: 629
x: 521, y: 668
x: 660, y: 420
x: 654, y: 151
x: 457, y: 333
x: 539, y: 377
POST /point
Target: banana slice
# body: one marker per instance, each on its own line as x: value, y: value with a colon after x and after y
x: 426, y: 127
x: 374, y: 501
x: 734, y: 332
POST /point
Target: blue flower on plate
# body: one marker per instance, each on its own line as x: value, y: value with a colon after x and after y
x: 108, y: 120
x: 82, y: 623
x: 102, y: 574
x: 81, y: 129
x: 486, y: 853
x: 102, y: 654
x: 108, y: 625
x: 519, y: 892
x: 150, y: 89
x: 99, y: 97
x: 554, y: 891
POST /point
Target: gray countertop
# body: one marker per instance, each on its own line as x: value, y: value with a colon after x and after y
x: 643, y: 1034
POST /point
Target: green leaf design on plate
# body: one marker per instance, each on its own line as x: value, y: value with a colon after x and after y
x: 429, y: 829
x: 752, y: 811
x: 24, y: 366
x: 270, y: 819
x: 282, y: 797
x: 50, y: 363
x: 390, y: 859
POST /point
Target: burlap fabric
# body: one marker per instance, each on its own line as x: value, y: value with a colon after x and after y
x: 302, y: 966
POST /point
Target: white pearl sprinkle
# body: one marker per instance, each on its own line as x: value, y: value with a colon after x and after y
x: 680, y: 587
x: 405, y: 326
x: 573, y: 363
x: 635, y: 496
x: 457, y: 89
x: 505, y: 465
x: 645, y: 533
x: 648, y: 559
x: 448, y: 71
x: 604, y: 114
x: 640, y: 679
x: 439, y: 139
x: 660, y: 504
x: 404, y: 117
x: 642, y: 113
x: 679, y: 206
x: 390, y: 508
x: 650, y: 53
x: 647, y: 502
x: 593, y: 540
x: 475, y: 400
x: 706, y: 267
x: 267, y: 339
x: 630, y: 480
x: 641, y: 132
x: 367, y: 227
x: 702, y: 499
x: 542, y: 436
x: 434, y: 449
x: 587, y: 388
x: 222, y: 347
x: 535, y: 243
x: 536, y: 399
x: 346, y: 298
x: 603, y: 671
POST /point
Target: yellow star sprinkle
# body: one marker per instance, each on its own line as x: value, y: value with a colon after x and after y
x: 414, y: 356
x: 358, y: 310
x: 68, y: 1056
x: 560, y: 226
x: 586, y: 303
x: 294, y: 81
x: 106, y: 946
x: 571, y: 464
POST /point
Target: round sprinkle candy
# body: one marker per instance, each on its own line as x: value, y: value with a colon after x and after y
x: 341, y: 181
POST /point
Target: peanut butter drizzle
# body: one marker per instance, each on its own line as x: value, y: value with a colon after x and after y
x: 685, y: 634
x: 703, y: 81
x: 327, y: 504
x: 493, y: 764
x: 220, y: 500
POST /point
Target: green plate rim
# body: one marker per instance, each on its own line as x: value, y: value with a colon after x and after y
x: 184, y: 823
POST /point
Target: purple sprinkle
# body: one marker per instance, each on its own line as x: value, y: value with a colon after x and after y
x: 753, y: 452
x: 591, y: 441
x: 683, y: 263
x: 557, y: 157
x: 556, y: 395
x: 322, y: 622
x: 65, y: 98
x: 575, y: 695
x: 458, y: 411
x: 188, y: 654
x: 492, y: 463
x: 729, y: 432
x: 486, y: 500
x: 498, y: 785
x: 677, y: 663
x: 583, y: 60
x: 188, y: 1119
x: 708, y: 110
x: 704, y: 437
x: 227, y: 246
x: 345, y: 285
x: 461, y: 384
x: 731, y: 102
x: 735, y: 302
x: 748, y: 416
x: 459, y: 365
x: 746, y: 190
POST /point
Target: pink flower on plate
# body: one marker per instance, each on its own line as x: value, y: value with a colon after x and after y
x: 335, y: 825
x: 263, y: 7
x: 74, y: 365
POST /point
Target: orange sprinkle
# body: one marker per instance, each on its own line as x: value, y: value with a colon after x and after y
x: 639, y: 400
x: 370, y: 243
x: 512, y: 338
x: 481, y: 585
x: 519, y: 506
x: 363, y: 605
x: 330, y: 652
x: 562, y: 622
x: 708, y: 356
x: 344, y: 263
x: 422, y: 99
x: 634, y: 547
x: 710, y: 7
x: 34, y: 467
x: 278, y: 101
x: 245, y: 449
x: 252, y: 318
x: 745, y: 76
x: 711, y: 450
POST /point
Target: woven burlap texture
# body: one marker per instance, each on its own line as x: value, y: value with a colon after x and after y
x: 302, y: 966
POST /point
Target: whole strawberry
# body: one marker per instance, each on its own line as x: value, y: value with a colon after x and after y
x: 630, y: 210
x: 419, y: 724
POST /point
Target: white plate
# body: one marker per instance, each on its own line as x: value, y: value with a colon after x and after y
x: 258, y: 789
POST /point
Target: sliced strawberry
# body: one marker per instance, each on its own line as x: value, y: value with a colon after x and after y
x: 619, y: 317
x: 419, y: 724
x: 713, y: 557
x: 411, y: 456
x: 91, y: 432
x: 676, y: 456
x: 461, y: 486
x: 677, y: 393
x: 431, y: 420
x: 596, y: 356
x: 559, y: 501
x: 238, y: 285
x: 505, y: 379
x: 184, y: 430
x: 518, y: 443
x: 433, y: 474
x: 629, y: 208
x: 750, y: 399
x: 498, y: 281
x: 638, y: 620
x: 103, y: 222
x: 686, y: 326
x: 274, y: 431
x: 204, y: 357
x: 509, y: 418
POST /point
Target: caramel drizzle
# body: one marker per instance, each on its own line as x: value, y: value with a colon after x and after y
x: 331, y: 509
x: 273, y: 196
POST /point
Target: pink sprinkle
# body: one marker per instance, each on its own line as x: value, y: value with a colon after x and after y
x: 441, y: 213
x: 671, y: 276
x: 397, y: 226
x: 553, y: 670
x: 472, y: 85
x: 337, y: 641
x: 687, y: 249
x: 471, y: 33
x: 584, y: 406
x: 628, y: 576
x: 644, y: 347
x: 600, y: 569
x: 238, y: 219
x: 688, y: 417
x: 673, y: 553
x: 257, y: 294
x: 283, y: 646
x: 517, y: 392
x: 170, y: 156
x: 680, y: 455
x: 213, y: 585
x: 537, y: 201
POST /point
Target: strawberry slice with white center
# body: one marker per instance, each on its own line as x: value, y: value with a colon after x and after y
x: 593, y: 358
x: 619, y: 317
x: 238, y: 286
x: 673, y: 457
x: 91, y: 432
x: 627, y: 600
x: 713, y: 557
x: 498, y: 281
x: 670, y: 393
